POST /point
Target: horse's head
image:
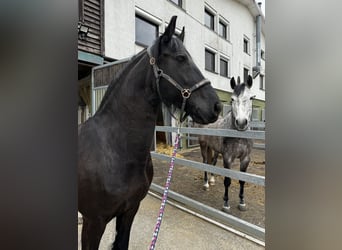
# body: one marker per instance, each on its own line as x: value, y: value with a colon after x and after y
x: 181, y: 82
x: 241, y: 101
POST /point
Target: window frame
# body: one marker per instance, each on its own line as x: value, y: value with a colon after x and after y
x: 226, y: 108
x: 225, y: 25
x: 226, y: 60
x: 256, y: 113
x: 262, y: 82
x: 245, y: 76
x: 262, y: 54
x: 179, y: 4
x: 210, y: 13
x: 246, y: 48
x: 146, y: 20
x: 206, y: 50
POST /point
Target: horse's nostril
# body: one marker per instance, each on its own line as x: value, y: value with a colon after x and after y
x: 218, y: 107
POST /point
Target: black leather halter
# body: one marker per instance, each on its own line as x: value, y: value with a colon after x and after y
x: 158, y: 73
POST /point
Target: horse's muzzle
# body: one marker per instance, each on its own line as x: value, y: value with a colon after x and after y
x: 241, y: 124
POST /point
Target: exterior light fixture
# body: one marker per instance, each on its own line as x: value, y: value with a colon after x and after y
x: 82, y: 31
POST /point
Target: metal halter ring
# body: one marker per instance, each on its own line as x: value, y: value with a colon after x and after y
x: 186, y: 93
x: 152, y: 60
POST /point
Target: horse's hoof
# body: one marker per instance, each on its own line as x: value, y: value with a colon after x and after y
x: 206, y: 186
x: 226, y: 209
x: 212, y: 181
x: 242, y: 207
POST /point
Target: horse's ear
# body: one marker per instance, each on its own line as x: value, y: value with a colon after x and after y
x: 249, y: 81
x: 170, y: 30
x: 181, y: 36
x: 238, y: 80
x: 232, y: 83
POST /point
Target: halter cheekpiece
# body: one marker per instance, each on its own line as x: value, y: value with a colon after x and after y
x: 186, y: 93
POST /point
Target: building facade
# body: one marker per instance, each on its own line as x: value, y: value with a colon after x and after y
x: 90, y: 50
x: 226, y: 38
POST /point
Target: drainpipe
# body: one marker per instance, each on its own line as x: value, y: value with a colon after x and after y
x: 257, y: 67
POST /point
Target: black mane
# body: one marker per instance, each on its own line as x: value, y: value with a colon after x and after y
x: 115, y: 82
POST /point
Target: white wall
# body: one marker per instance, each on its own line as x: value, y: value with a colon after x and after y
x: 119, y: 26
x: 120, y: 33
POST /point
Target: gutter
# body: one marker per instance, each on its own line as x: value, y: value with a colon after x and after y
x: 257, y: 67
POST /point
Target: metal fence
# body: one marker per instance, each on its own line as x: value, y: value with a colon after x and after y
x: 238, y: 224
x: 192, y: 140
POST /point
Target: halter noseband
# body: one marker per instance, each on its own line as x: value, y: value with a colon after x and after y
x: 158, y: 73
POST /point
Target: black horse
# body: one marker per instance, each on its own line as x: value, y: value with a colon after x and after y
x: 115, y: 167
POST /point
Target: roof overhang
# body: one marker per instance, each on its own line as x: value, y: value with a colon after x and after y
x: 254, y: 9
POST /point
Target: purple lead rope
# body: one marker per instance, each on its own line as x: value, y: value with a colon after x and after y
x: 165, y: 194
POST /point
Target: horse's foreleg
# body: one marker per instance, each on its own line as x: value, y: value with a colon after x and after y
x: 92, y: 231
x: 212, y: 176
x: 206, y: 181
x: 215, y: 158
x: 123, y: 229
x: 205, y: 151
x: 226, y: 163
x: 226, y: 206
x: 243, y: 168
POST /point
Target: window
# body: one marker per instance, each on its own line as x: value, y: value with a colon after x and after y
x: 223, y: 67
x: 208, y: 19
x: 222, y: 30
x: 209, y: 60
x: 246, y: 45
x: 263, y: 118
x: 145, y: 31
x: 263, y: 54
x: 177, y: 2
x: 262, y: 86
x: 255, y: 114
x: 245, y: 74
x: 226, y: 109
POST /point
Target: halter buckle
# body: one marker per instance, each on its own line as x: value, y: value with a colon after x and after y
x: 186, y: 93
x: 159, y: 72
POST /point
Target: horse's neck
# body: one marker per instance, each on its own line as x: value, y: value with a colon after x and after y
x: 128, y: 101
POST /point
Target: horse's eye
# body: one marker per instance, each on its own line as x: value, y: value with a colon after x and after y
x: 181, y: 58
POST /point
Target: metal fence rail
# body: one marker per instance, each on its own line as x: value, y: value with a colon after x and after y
x: 250, y: 134
x: 241, y: 225
x: 235, y: 222
x: 195, y: 138
x: 257, y: 124
x: 252, y: 178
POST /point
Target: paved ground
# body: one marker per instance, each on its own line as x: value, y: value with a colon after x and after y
x: 179, y: 231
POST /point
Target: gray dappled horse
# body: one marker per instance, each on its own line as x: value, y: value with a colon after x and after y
x: 230, y: 147
x: 114, y: 162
